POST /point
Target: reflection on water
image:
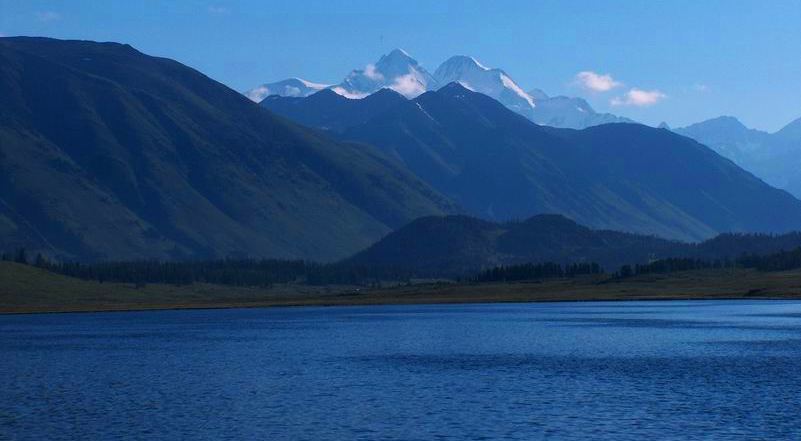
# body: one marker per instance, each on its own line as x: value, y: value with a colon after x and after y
x: 596, y: 370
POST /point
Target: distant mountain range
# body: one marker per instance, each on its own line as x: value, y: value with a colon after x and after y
x: 500, y: 166
x: 402, y: 73
x: 290, y: 87
x: 774, y: 157
x: 107, y: 153
x: 461, y: 245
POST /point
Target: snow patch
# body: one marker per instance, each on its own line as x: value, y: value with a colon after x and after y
x: 408, y: 85
x: 348, y: 94
x: 509, y: 84
x: 425, y: 113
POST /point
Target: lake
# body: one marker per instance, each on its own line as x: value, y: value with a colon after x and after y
x: 677, y: 370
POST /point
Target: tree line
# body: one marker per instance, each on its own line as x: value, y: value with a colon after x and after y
x: 266, y: 272
x: 232, y: 272
x: 538, y: 271
x: 781, y: 261
x: 674, y: 264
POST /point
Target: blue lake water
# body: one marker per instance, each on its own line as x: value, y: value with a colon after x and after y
x: 560, y: 371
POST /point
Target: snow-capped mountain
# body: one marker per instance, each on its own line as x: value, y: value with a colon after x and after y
x: 295, y: 87
x: 396, y: 70
x: 494, y: 83
x: 400, y: 72
x: 536, y: 105
x: 568, y: 112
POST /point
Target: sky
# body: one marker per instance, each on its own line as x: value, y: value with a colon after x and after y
x: 676, y: 61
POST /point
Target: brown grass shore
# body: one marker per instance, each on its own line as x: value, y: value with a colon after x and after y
x: 25, y: 289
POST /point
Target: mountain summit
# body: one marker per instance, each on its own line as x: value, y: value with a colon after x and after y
x: 396, y: 70
x: 494, y: 83
x: 774, y: 157
x: 791, y: 132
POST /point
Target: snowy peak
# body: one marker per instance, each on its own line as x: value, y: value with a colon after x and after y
x: 396, y: 70
x: 400, y: 72
x: 292, y: 87
x: 495, y: 83
x: 398, y: 59
x: 455, y: 67
x: 571, y: 113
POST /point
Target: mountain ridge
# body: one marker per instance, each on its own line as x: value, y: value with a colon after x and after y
x: 107, y: 153
x: 629, y: 177
x: 397, y: 70
x: 458, y: 246
x: 774, y: 157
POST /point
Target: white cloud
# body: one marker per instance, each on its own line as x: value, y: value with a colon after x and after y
x: 639, y: 98
x: 218, y: 10
x: 48, y: 16
x: 371, y: 73
x: 700, y: 87
x: 408, y: 85
x: 347, y: 94
x: 257, y: 94
x: 291, y: 91
x: 596, y: 82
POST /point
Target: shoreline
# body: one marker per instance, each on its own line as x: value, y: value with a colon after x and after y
x: 29, y: 290
x: 156, y: 307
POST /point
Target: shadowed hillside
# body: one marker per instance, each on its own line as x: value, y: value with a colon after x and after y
x: 107, y: 153
x: 501, y: 166
x: 460, y: 245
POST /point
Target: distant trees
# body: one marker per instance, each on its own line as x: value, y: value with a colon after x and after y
x: 266, y: 272
x: 234, y: 272
x: 531, y: 271
x: 671, y: 265
x: 20, y: 255
x: 781, y: 261
x: 230, y: 272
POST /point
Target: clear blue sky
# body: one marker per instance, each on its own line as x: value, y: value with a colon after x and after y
x: 708, y: 57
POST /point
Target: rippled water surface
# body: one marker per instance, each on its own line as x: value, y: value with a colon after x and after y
x: 563, y: 371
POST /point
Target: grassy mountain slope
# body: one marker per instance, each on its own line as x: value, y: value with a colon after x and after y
x: 109, y: 153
